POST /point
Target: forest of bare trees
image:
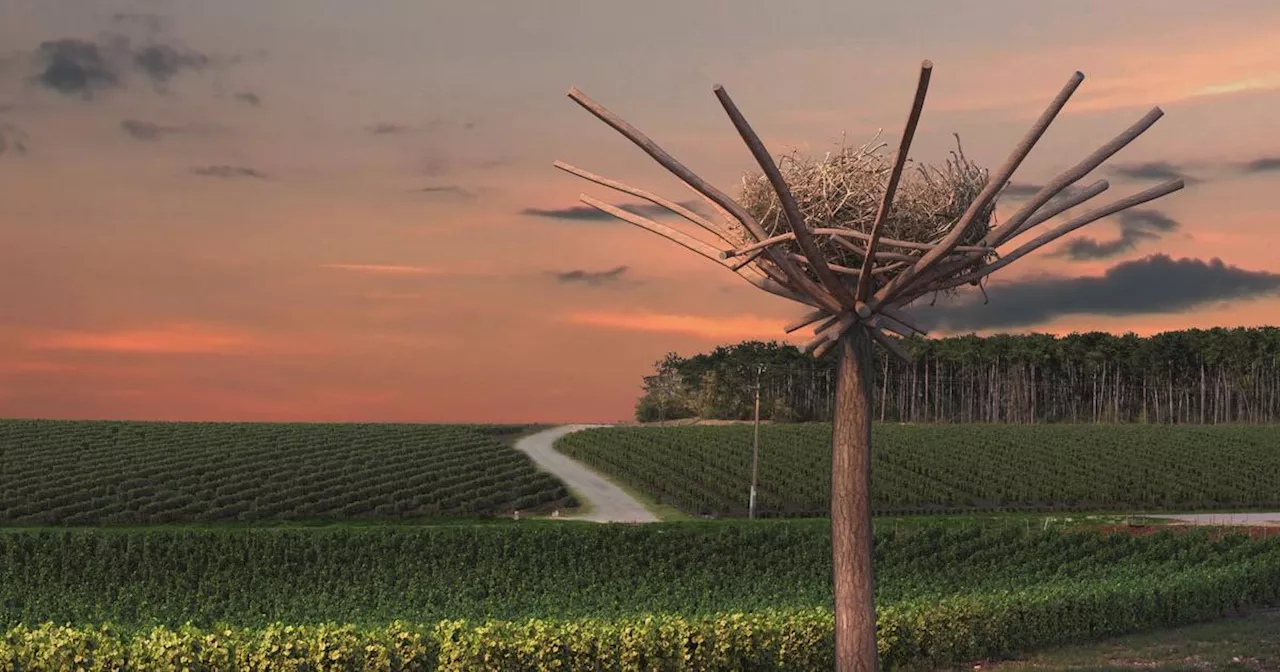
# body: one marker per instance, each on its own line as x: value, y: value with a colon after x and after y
x: 1195, y: 376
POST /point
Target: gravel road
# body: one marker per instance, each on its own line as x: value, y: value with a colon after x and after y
x: 609, y: 504
x: 1221, y: 518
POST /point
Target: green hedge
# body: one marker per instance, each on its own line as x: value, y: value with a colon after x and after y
x: 953, y: 629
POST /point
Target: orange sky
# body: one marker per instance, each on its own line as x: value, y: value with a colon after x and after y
x: 289, y: 210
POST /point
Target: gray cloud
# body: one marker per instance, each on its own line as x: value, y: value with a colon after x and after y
x: 87, y: 67
x: 1154, y: 284
x: 161, y: 62
x: 1136, y: 226
x: 387, y: 128
x: 228, y: 172
x: 448, y: 189
x: 142, y: 130
x: 1153, y: 171
x: 586, y: 213
x: 591, y: 278
x: 148, y: 131
x: 249, y: 98
x: 1265, y: 164
x: 73, y: 66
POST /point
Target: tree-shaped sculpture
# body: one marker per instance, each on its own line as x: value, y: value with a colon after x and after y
x: 858, y: 301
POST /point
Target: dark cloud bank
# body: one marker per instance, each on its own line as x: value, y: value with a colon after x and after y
x: 1154, y: 284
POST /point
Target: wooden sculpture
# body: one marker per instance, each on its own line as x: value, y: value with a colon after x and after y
x: 856, y: 303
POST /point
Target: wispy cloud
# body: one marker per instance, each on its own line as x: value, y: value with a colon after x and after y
x: 229, y: 172
x: 709, y: 328
x: 387, y: 128
x: 150, y: 131
x: 586, y: 213
x: 171, y: 339
x: 1265, y: 164
x: 1136, y: 226
x: 383, y: 269
x: 1152, y: 171
x: 591, y: 278
x: 249, y: 98
x: 448, y: 190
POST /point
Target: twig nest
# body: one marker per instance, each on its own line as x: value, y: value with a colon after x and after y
x: 844, y: 188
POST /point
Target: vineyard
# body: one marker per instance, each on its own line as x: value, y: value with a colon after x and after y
x: 87, y: 473
x: 722, y: 595
x: 921, y: 469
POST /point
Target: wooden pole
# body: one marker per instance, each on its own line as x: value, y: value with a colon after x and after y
x: 852, y: 573
x: 755, y: 448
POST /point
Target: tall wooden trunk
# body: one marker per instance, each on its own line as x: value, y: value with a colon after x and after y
x: 853, y: 576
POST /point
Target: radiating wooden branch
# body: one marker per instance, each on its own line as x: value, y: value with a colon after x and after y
x: 843, y: 270
x: 725, y: 216
x: 690, y: 243
x: 1054, y: 234
x: 892, y: 345
x: 1052, y: 209
x: 886, y: 201
x: 831, y: 333
x: 1047, y: 213
x: 994, y: 184
x: 796, y: 277
x: 745, y: 260
x: 798, y: 226
x: 674, y: 207
x: 895, y: 315
x: 808, y: 319
x: 1071, y: 175
x: 827, y: 324
x: 866, y: 254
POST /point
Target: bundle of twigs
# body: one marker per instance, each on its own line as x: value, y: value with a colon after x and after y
x: 839, y: 196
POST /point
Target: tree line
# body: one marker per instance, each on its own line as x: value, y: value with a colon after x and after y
x: 1195, y: 376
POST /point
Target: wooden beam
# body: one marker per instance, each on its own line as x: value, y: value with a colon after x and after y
x: 801, y: 230
x: 1052, y: 209
x: 672, y: 206
x: 886, y: 201
x: 806, y: 320
x: 691, y: 243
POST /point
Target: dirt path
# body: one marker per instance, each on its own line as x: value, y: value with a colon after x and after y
x: 609, y: 504
x: 1260, y: 519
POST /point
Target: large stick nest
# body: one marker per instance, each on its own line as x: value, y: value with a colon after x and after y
x: 844, y: 189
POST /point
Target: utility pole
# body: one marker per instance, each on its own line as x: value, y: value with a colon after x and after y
x: 755, y: 449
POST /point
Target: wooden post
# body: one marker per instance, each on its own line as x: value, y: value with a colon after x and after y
x: 755, y: 448
x: 852, y: 574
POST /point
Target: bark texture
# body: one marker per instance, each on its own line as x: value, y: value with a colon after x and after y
x: 853, y: 575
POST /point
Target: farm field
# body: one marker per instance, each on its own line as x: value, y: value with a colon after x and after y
x: 722, y: 593
x: 924, y: 469
x: 113, y: 473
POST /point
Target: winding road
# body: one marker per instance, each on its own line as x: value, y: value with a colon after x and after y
x: 607, y: 502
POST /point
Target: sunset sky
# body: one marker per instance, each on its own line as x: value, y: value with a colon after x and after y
x: 321, y: 210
